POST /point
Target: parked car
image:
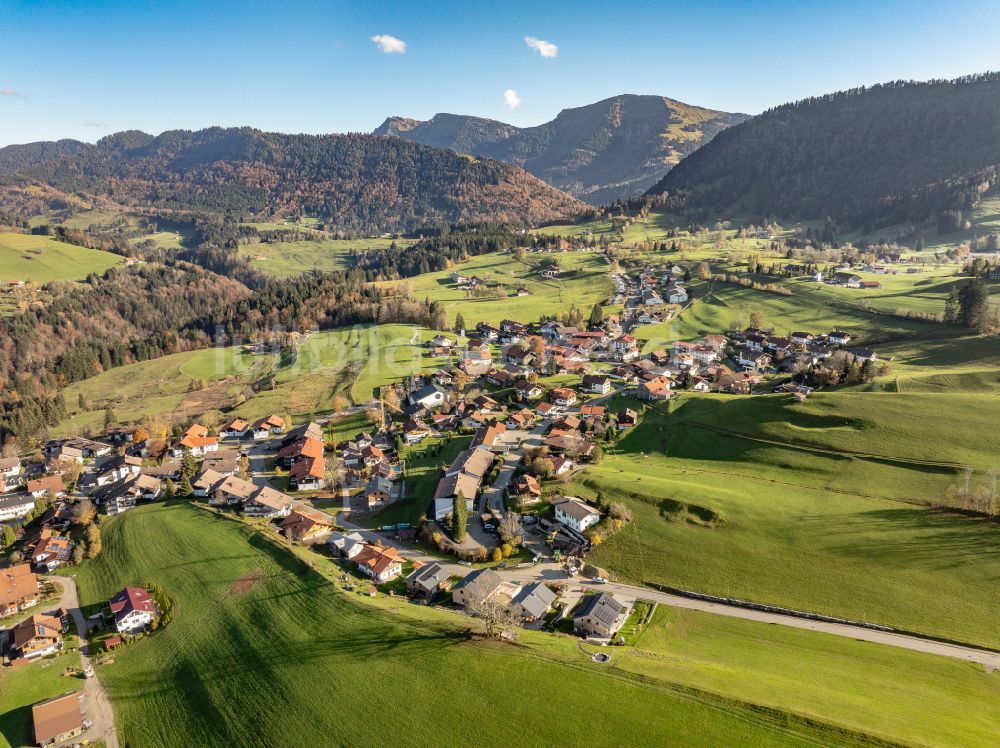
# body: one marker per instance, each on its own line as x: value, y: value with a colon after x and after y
x: 598, y: 580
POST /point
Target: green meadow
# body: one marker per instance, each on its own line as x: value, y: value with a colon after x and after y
x: 255, y: 625
x: 40, y: 259
x: 21, y: 687
x: 583, y: 281
x: 287, y: 259
x: 350, y: 363
x: 822, y: 507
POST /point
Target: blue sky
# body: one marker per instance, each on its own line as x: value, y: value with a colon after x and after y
x: 86, y: 69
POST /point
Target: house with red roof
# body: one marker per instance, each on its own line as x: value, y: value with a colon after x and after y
x: 134, y: 610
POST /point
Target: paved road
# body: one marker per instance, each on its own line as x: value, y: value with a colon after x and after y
x: 551, y: 572
x: 97, y: 705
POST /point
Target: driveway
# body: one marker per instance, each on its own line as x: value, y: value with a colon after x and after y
x: 96, y: 704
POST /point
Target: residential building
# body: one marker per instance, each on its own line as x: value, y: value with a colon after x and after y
x: 51, y: 486
x: 267, y: 427
x: 267, y: 502
x: 426, y: 581
x: 533, y: 602
x: 36, y: 636
x: 58, y: 720
x: 576, y: 514
x: 18, y: 589
x: 476, y: 586
x: 15, y: 507
x: 599, y: 385
x: 600, y: 616
x: 134, y: 610
x: 306, y: 526
x: 381, y: 564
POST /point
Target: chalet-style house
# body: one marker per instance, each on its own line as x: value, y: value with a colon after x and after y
x: 236, y: 429
x: 305, y: 526
x: 597, y: 384
x: 267, y: 427
x: 381, y: 564
x: 36, y: 636
x: 50, y: 485
x: 524, y: 489
x: 18, y: 589
x: 48, y: 551
x: 134, y: 610
x: 654, y: 389
x: 195, y: 441
x: 563, y: 397
x: 269, y: 503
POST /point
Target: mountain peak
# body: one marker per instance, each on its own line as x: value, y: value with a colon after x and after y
x: 614, y: 148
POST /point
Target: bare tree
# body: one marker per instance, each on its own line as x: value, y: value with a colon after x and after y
x: 495, y: 612
x: 511, y: 529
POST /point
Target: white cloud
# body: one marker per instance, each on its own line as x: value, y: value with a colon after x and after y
x: 94, y: 123
x: 390, y: 44
x: 545, y: 49
x: 510, y: 99
x: 12, y: 93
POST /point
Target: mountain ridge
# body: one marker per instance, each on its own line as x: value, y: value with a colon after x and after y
x: 363, y: 182
x: 868, y: 157
x: 612, y: 149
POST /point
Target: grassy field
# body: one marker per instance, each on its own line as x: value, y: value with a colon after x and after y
x: 820, y: 506
x: 717, y: 305
x: 351, y: 363
x: 21, y: 687
x: 40, y: 259
x: 584, y: 282
x: 285, y: 259
x: 253, y: 627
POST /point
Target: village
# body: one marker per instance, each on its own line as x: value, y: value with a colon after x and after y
x: 497, y: 539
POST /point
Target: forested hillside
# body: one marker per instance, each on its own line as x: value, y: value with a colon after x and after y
x: 360, y: 182
x: 14, y: 158
x: 600, y: 153
x: 868, y: 157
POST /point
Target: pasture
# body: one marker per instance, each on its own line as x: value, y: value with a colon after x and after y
x: 253, y: 625
x: 287, y: 259
x: 821, y: 507
x: 41, y: 259
x: 350, y: 363
x: 583, y: 282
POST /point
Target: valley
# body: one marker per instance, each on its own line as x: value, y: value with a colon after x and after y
x: 652, y: 423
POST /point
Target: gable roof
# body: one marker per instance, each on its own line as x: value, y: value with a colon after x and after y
x: 603, y: 607
x: 535, y: 599
x: 57, y: 716
x: 480, y: 583
x: 16, y: 583
x: 575, y: 508
x: 132, y: 599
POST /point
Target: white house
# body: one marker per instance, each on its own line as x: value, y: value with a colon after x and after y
x: 15, y: 507
x: 428, y: 397
x: 134, y: 610
x: 576, y: 514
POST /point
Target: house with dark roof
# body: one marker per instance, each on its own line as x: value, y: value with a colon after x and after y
x: 426, y: 581
x: 533, y: 602
x: 600, y: 616
x: 36, y: 636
